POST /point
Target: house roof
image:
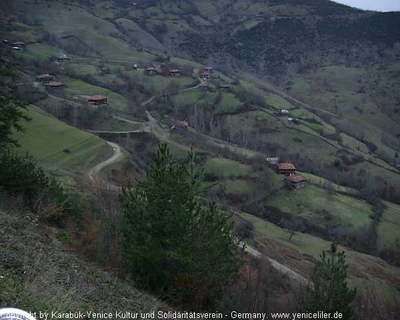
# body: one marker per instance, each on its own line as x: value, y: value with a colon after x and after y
x: 44, y: 76
x: 19, y: 43
x: 296, y: 178
x: 97, y: 97
x: 180, y: 123
x: 225, y: 86
x: 150, y: 69
x: 63, y: 58
x: 174, y: 70
x: 54, y: 84
x: 204, y: 73
x: 286, y: 166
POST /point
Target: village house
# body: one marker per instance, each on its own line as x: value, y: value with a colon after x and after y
x: 44, y: 77
x: 286, y: 168
x: 175, y: 72
x: 284, y: 112
x: 296, y: 181
x: 63, y: 59
x: 225, y: 87
x: 180, y: 124
x: 19, y: 44
x: 54, y: 85
x: 97, y: 100
x: 205, y: 75
x: 272, y: 160
x: 294, y: 120
x: 203, y: 86
x: 151, y: 71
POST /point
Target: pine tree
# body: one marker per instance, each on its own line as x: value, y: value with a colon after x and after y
x: 329, y: 291
x: 11, y: 110
x: 172, y: 243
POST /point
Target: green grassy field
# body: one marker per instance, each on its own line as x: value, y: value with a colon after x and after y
x: 319, y: 205
x: 388, y: 228
x: 58, y: 146
x: 188, y: 97
x: 239, y: 186
x: 156, y: 84
x: 226, y: 168
x: 228, y: 104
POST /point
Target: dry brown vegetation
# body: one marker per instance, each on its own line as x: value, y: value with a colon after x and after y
x: 38, y: 273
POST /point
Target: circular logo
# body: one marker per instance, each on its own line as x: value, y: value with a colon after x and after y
x: 14, y: 314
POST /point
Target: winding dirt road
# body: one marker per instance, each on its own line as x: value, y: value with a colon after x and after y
x: 292, y: 274
x: 117, y: 156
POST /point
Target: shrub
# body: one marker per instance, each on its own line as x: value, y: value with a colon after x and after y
x: 244, y: 230
x: 20, y: 176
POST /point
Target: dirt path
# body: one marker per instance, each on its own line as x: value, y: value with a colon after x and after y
x: 117, y: 156
x: 145, y: 129
x: 291, y: 273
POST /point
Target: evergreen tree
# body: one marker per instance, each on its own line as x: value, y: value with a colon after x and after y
x: 172, y: 243
x: 329, y: 291
x: 11, y: 110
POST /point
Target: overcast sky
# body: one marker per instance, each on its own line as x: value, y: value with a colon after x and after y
x: 378, y: 5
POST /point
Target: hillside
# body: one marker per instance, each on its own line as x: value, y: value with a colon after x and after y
x: 333, y: 69
x: 34, y: 256
x: 61, y: 148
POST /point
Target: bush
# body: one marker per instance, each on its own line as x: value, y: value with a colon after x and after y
x: 243, y: 230
x: 20, y: 176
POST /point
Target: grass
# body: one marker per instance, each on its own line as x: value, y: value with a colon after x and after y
x: 58, y: 146
x: 83, y: 87
x: 322, y: 182
x: 388, y: 228
x: 303, y: 250
x: 320, y: 206
x: 226, y: 168
x: 76, y: 86
x: 41, y: 51
x: 277, y: 102
x: 228, y: 104
x: 188, y: 97
x: 239, y: 186
x: 156, y: 84
x: 32, y: 257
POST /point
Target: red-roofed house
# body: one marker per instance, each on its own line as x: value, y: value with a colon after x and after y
x: 286, y: 168
x: 204, y: 75
x: 175, y: 72
x: 63, y: 59
x: 296, y: 182
x: 97, y: 99
x: 203, y: 86
x: 19, y: 44
x: 44, y: 77
x: 150, y: 71
x: 182, y: 124
x: 54, y: 85
x: 225, y: 86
